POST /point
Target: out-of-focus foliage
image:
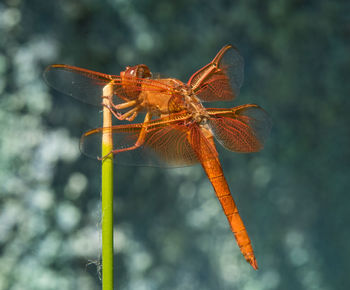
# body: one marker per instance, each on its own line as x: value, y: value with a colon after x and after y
x: 170, y: 232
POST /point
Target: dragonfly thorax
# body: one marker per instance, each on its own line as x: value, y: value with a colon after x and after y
x: 194, y: 105
x: 186, y: 98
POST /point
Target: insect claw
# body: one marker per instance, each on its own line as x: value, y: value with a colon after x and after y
x: 106, y: 156
x: 119, y: 116
x: 132, y: 117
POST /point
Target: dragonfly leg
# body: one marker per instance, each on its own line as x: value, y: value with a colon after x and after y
x: 124, y: 105
x: 132, y: 117
x: 119, y: 106
x: 115, y: 114
x: 129, y: 115
x: 110, y: 106
x: 138, y: 143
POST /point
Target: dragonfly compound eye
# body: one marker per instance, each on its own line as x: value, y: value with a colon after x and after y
x: 142, y: 71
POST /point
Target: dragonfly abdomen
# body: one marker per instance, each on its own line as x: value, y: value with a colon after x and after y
x: 215, y: 174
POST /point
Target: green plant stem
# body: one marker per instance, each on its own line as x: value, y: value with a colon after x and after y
x: 107, y: 196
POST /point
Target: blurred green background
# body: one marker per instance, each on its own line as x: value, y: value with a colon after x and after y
x: 170, y: 232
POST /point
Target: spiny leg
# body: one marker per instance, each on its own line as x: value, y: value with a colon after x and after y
x: 132, y: 117
x: 138, y: 143
x: 120, y: 106
x: 125, y: 105
x: 110, y: 106
x: 129, y: 115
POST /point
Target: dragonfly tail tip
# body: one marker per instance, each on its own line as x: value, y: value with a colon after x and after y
x: 254, y: 264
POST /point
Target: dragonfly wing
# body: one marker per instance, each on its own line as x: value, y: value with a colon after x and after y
x: 82, y: 84
x: 171, y: 145
x: 240, y: 129
x: 221, y: 79
x: 164, y: 145
x: 86, y: 85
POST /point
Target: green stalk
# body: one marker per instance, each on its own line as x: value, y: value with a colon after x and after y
x: 107, y: 196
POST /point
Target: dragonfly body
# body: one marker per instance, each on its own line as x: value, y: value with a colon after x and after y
x: 162, y: 103
x: 172, y: 96
x: 177, y: 127
x: 209, y: 159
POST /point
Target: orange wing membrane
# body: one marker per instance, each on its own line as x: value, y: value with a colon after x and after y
x: 221, y: 79
x: 177, y: 129
x: 241, y: 129
x: 165, y: 143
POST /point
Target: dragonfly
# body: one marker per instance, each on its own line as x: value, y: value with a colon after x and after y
x: 177, y: 129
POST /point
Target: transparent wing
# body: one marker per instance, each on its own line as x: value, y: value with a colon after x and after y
x: 241, y: 129
x: 221, y: 79
x: 165, y: 145
x: 86, y: 85
x: 76, y: 82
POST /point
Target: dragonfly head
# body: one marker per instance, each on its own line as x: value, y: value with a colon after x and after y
x: 139, y: 71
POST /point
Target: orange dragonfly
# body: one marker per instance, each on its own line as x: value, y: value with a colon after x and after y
x: 177, y: 129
